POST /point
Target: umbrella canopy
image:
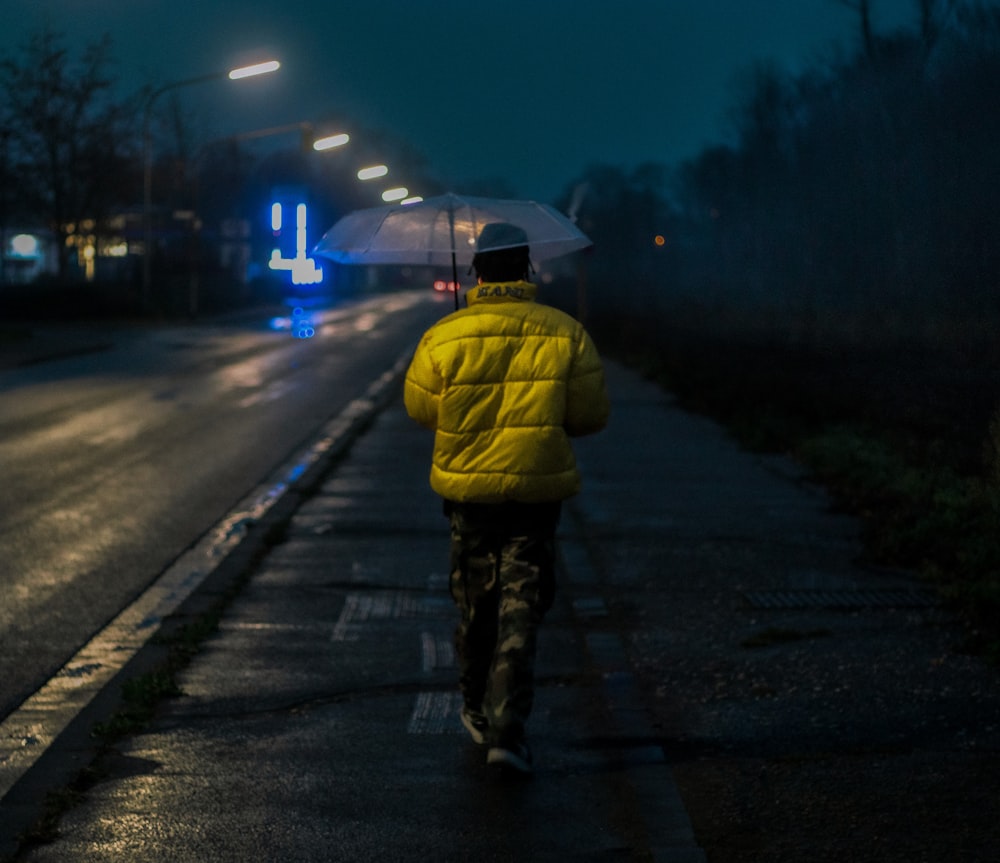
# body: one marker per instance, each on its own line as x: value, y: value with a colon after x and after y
x: 442, y: 230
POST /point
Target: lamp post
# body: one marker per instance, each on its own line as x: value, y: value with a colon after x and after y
x: 147, y: 152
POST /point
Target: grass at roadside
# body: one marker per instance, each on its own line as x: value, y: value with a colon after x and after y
x: 920, y: 516
x: 916, y: 463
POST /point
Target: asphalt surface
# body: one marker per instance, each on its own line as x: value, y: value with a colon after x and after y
x: 719, y: 679
x: 196, y: 411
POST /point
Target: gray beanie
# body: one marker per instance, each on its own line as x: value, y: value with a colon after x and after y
x: 500, y: 235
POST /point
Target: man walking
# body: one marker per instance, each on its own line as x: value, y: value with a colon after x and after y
x: 504, y: 384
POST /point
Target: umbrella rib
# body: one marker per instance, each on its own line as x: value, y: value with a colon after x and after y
x: 378, y: 227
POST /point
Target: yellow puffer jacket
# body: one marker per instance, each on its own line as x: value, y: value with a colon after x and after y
x: 504, y: 384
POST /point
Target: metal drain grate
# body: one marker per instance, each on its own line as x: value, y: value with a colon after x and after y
x: 841, y: 599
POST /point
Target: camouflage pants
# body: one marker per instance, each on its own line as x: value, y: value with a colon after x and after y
x: 503, y: 582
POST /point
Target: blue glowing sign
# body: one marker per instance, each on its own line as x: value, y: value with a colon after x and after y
x: 303, y: 269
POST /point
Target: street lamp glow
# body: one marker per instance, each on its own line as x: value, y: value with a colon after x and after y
x: 373, y: 172
x: 24, y: 246
x: 147, y: 151
x: 416, y: 199
x: 396, y: 194
x: 255, y: 69
x: 331, y: 141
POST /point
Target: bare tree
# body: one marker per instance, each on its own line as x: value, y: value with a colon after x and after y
x: 864, y: 10
x: 67, y: 141
x: 933, y: 16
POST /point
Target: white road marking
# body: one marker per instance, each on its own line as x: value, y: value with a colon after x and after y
x: 436, y: 713
x: 360, y: 608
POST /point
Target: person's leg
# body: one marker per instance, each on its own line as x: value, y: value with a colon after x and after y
x: 527, y: 587
x: 475, y: 560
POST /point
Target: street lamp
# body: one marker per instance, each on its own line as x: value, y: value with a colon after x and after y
x: 147, y: 154
x: 331, y: 141
x: 373, y: 172
x: 254, y: 69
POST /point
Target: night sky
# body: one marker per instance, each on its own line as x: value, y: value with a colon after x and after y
x: 532, y: 92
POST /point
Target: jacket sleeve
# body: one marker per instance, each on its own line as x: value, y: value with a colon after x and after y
x: 587, y: 403
x: 422, y: 387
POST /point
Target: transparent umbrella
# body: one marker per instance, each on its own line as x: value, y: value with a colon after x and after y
x: 442, y: 230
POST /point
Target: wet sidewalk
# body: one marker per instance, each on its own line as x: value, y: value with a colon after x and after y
x: 719, y: 680
x: 321, y: 721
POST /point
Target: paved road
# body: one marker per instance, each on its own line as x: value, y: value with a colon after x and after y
x: 116, y: 460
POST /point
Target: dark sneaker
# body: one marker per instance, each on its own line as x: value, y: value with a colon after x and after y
x: 475, y: 723
x: 516, y: 757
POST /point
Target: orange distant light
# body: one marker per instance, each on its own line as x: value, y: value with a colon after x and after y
x: 660, y: 240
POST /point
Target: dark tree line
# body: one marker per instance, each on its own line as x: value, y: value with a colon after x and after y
x: 858, y: 197
x: 858, y: 194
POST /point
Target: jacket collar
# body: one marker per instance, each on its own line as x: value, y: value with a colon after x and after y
x: 501, y: 292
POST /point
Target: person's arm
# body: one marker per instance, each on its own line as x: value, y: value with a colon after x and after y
x: 587, y: 403
x: 422, y: 388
